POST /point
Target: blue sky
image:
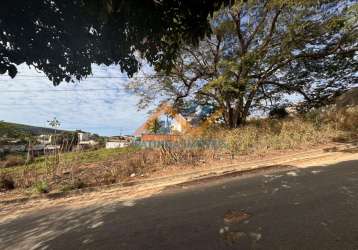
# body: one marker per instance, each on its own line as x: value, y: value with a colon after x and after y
x: 97, y: 104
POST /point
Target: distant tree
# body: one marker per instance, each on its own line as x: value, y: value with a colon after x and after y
x: 260, y: 51
x: 54, y: 123
x: 154, y: 126
x: 67, y: 140
x: 63, y: 38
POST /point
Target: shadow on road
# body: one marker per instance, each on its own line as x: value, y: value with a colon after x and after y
x: 312, y: 208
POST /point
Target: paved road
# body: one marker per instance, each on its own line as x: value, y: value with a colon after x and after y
x: 315, y: 208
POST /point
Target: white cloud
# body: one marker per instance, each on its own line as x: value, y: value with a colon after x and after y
x: 32, y: 99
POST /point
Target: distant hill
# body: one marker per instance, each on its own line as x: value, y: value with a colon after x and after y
x: 12, y: 129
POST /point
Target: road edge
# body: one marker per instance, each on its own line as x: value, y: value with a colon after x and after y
x: 199, y: 175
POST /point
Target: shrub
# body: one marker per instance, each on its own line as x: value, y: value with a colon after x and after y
x: 41, y: 187
x: 6, y: 183
x: 76, y: 184
x: 279, y: 112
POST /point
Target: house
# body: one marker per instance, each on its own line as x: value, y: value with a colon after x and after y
x: 83, y: 136
x: 85, y: 140
x: 44, y: 139
x: 118, y: 142
x: 171, y: 123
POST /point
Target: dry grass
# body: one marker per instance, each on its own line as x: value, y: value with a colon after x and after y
x: 101, y: 167
x: 344, y: 120
x: 69, y: 173
x: 262, y: 136
x: 12, y: 160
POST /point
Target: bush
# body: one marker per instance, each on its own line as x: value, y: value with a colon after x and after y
x: 41, y: 187
x: 6, y: 183
x: 278, y: 112
x: 76, y: 184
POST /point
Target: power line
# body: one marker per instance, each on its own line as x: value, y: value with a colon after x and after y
x: 91, y: 77
x: 69, y: 98
x: 58, y: 90
x: 35, y: 104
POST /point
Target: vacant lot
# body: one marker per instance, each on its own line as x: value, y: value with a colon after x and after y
x: 67, y: 171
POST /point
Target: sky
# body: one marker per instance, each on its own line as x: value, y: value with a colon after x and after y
x: 97, y: 104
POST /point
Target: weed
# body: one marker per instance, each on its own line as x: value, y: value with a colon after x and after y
x: 76, y: 184
x: 41, y: 187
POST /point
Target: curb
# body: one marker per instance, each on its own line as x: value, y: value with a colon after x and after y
x: 199, y: 175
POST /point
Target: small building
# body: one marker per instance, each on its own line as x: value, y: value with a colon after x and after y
x: 83, y: 136
x: 44, y: 139
x: 85, y: 140
x: 52, y: 147
x: 89, y: 142
x: 118, y: 142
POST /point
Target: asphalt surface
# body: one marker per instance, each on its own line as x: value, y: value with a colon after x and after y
x: 313, y: 208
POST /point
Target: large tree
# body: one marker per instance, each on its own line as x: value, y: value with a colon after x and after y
x: 63, y: 38
x: 259, y: 51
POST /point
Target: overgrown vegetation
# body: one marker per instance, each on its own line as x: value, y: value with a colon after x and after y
x: 41, y: 187
x: 77, y: 170
x: 267, y: 135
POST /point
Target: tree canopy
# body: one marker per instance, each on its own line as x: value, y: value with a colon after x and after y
x: 258, y: 52
x: 63, y: 38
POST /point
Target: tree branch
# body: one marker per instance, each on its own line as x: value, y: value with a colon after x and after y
x: 259, y: 25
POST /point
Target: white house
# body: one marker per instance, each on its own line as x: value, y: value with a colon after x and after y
x: 83, y: 136
x: 117, y: 144
x: 44, y: 139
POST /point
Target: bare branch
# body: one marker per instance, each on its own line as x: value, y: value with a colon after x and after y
x: 259, y: 25
x: 272, y: 30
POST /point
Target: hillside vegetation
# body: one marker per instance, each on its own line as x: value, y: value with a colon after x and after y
x: 18, y: 131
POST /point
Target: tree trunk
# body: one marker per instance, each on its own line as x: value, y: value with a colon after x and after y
x: 234, y: 118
